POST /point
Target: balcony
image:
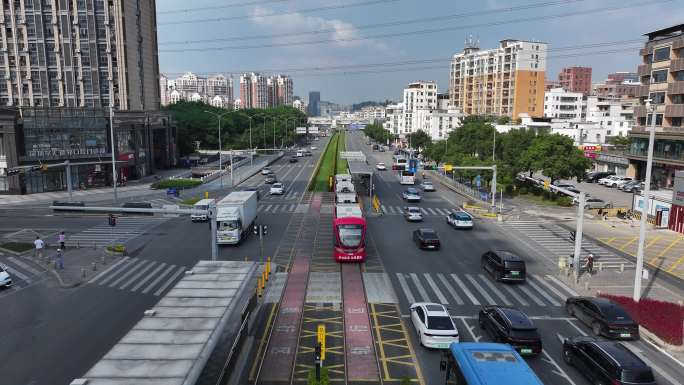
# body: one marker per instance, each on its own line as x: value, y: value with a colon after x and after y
x: 677, y: 65
x: 675, y: 88
x: 642, y: 90
x: 639, y: 111
x: 644, y: 70
x: 674, y: 111
x: 678, y: 43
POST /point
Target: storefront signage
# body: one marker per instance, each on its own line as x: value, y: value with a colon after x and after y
x: 678, y: 189
x: 45, y: 153
x: 591, y: 148
x: 613, y: 159
x: 591, y: 155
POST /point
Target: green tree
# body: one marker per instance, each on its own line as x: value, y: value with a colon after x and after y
x: 556, y: 156
x: 378, y: 133
x: 620, y: 141
x: 419, y: 139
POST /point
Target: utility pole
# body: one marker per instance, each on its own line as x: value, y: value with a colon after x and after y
x: 214, y: 243
x: 578, y: 235
x: 68, y: 176
x: 644, y: 214
x: 251, y: 149
x: 274, y: 129
x: 219, y: 117
x: 111, y: 133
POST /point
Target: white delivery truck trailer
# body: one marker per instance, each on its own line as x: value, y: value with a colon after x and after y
x: 235, y: 215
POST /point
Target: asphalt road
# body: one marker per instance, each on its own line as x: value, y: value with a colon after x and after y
x: 53, y: 335
x: 429, y: 276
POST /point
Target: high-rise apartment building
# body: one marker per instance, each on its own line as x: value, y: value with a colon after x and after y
x: 284, y: 90
x: 565, y: 105
x: 419, y: 95
x: 507, y: 80
x: 662, y: 79
x: 216, y: 90
x: 314, y: 101
x: 253, y: 90
x: 576, y: 79
x: 80, y: 54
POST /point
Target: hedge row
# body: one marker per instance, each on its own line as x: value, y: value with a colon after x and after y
x: 664, y: 319
x: 177, y: 183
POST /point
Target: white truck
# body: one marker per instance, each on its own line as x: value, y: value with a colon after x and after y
x: 235, y: 216
x: 345, y: 191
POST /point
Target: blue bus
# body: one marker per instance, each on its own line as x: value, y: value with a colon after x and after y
x: 485, y: 363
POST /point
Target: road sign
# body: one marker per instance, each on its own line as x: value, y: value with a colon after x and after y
x: 547, y: 185
x: 478, y: 181
x: 448, y: 168
x: 320, y: 334
x: 300, y: 130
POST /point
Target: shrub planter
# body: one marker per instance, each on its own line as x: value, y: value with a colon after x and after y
x: 116, y: 250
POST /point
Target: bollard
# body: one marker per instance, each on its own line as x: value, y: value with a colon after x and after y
x: 600, y: 266
x: 259, y: 287
x: 83, y: 272
x: 104, y: 260
x: 622, y: 268
x: 94, y: 266
x: 268, y: 265
x: 263, y: 282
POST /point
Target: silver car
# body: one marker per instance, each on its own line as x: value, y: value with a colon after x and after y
x: 413, y: 214
x: 596, y: 203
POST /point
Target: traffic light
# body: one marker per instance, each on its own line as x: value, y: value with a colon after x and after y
x: 43, y: 167
x: 112, y: 220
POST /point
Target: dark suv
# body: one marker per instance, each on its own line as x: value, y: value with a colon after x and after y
x: 594, y: 176
x: 504, y: 266
x: 606, y: 362
x: 605, y: 317
x: 426, y: 239
x: 511, y: 326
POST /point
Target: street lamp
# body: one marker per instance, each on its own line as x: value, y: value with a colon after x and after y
x: 251, y: 149
x: 111, y: 133
x: 219, y: 117
x: 650, y: 105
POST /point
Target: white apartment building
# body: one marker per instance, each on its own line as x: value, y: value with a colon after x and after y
x: 561, y: 104
x: 192, y: 87
x: 508, y: 80
x: 419, y: 95
x: 300, y: 105
x: 439, y: 123
x: 394, y: 118
x: 613, y: 114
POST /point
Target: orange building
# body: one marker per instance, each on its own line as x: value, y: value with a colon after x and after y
x: 505, y: 81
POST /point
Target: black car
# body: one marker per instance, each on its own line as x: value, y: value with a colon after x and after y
x: 270, y: 179
x: 426, y: 239
x: 605, y: 317
x: 504, y: 265
x: 594, y: 176
x: 293, y: 159
x: 606, y: 362
x: 511, y: 326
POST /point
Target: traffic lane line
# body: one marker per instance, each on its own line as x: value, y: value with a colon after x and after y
x: 628, y: 243
x: 676, y: 264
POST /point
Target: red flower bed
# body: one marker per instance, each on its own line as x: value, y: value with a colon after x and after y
x: 664, y: 319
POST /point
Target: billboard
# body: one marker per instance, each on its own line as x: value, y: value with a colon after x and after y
x: 300, y: 130
x: 678, y: 189
x: 313, y: 129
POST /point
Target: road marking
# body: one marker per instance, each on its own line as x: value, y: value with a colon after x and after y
x: 423, y: 211
x: 465, y: 289
x: 149, y: 276
x: 156, y: 281
x: 440, y: 296
x: 671, y: 245
x: 24, y: 266
x: 570, y: 321
x: 626, y: 245
x: 268, y: 207
x: 431, y: 211
x: 543, y: 293
x: 481, y: 290
x: 677, y: 263
x: 384, y: 209
x: 391, y: 209
x: 450, y: 288
x: 130, y: 262
x: 494, y: 289
x: 18, y: 273
x: 562, y: 285
x: 130, y: 271
x: 518, y: 297
x: 421, y: 288
x: 170, y: 281
x: 137, y: 276
x: 550, y: 287
x: 470, y: 330
x: 110, y: 268
x: 560, y: 370
x: 405, y: 288
x: 652, y: 241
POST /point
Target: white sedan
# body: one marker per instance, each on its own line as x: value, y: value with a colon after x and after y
x: 413, y: 214
x: 5, y: 278
x: 460, y: 220
x: 381, y: 166
x: 277, y: 189
x: 434, y: 325
x: 313, y: 148
x: 266, y: 171
x: 427, y: 186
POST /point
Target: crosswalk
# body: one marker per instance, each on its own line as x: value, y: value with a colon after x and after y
x: 126, y: 229
x: 22, y: 270
x: 288, y: 196
x: 274, y: 208
x: 557, y: 241
x: 478, y: 289
x: 399, y: 210
x: 139, y: 276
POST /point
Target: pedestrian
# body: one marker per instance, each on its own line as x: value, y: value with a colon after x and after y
x: 60, y: 260
x: 61, y: 238
x: 40, y: 245
x: 590, y: 263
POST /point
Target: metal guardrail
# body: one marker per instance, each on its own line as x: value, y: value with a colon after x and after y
x: 552, y: 187
x: 461, y: 188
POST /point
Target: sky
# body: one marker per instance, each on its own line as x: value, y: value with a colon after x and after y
x: 357, y: 50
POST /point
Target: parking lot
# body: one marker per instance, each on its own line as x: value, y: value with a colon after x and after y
x: 617, y: 197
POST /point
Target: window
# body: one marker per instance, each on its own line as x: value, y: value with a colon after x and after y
x: 678, y: 99
x: 659, y: 76
x: 679, y: 76
x: 661, y: 54
x: 421, y: 314
x: 676, y: 122
x: 658, y: 120
x: 657, y: 97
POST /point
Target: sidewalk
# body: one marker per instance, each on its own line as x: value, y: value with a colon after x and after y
x: 663, y: 248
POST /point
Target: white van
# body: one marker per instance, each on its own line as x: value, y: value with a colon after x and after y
x: 201, y: 205
x: 300, y: 154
